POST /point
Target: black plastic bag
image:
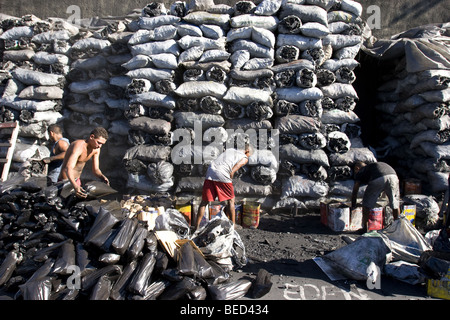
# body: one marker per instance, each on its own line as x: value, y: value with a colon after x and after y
x: 103, y: 224
x: 124, y: 235
x: 102, y: 289
x: 433, y: 265
x: 82, y: 260
x: 154, y: 290
x: 231, y: 290
x: 88, y: 281
x: 109, y: 258
x: 8, y: 266
x: 137, y: 242
x: 179, y: 289
x: 198, y: 293
x: 37, y: 290
x: 66, y: 258
x: 186, y: 261
x: 442, y: 242
x: 141, y: 278
x: 119, y: 290
x: 261, y: 285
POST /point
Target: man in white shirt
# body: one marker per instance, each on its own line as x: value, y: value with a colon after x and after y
x: 219, y: 181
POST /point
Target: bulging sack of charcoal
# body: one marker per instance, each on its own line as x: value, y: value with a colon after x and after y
x: 314, y: 172
x: 315, y: 55
x: 198, y: 89
x: 335, y: 116
x: 306, y: 78
x: 301, y: 156
x: 290, y: 24
x: 263, y: 174
x: 306, y: 13
x: 88, y: 86
x: 338, y: 142
x: 18, y: 32
x: 189, y: 119
x: 250, y: 20
x: 148, y: 153
x: 297, y: 124
x: 297, y: 95
x: 160, y: 172
x: 339, y: 90
x: 256, y: 50
x: 211, y: 105
x: 139, y: 61
x: 268, y: 7
x: 192, y: 54
x: 264, y: 157
x: 312, y: 141
x: 350, y: 157
x: 41, y: 93
x: 30, y: 77
x: 18, y: 55
x: 335, y: 64
x: 245, y: 96
x: 154, y: 99
x: 51, y: 36
x: 314, y: 30
x: 144, y: 183
x: 149, y: 125
x: 259, y: 111
x: 137, y: 86
x: 311, y: 108
x: 50, y: 58
x: 301, y: 186
x: 287, y: 53
x: 345, y: 75
x: 188, y: 42
x: 151, y: 74
x: 301, y: 42
x: 156, y: 47
x: 202, y: 17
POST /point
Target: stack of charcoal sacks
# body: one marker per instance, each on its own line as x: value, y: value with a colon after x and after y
x: 413, y: 104
x: 204, y: 66
x: 152, y: 75
x: 96, y: 95
x: 249, y: 98
x: 319, y: 134
x: 35, y: 62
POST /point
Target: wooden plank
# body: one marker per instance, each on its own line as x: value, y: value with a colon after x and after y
x: 10, y: 153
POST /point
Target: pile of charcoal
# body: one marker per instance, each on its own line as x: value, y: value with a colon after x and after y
x: 53, y: 247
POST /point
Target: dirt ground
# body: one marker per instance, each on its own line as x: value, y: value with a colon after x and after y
x: 284, y: 238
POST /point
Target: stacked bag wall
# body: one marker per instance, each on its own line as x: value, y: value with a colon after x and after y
x: 413, y: 103
x: 278, y: 74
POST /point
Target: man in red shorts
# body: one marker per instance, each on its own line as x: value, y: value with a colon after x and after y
x: 219, y: 181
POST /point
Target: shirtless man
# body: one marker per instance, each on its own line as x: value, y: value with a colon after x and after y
x: 57, y: 152
x: 78, y: 153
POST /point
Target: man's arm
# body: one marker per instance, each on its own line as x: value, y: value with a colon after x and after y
x: 237, y: 166
x: 96, y: 168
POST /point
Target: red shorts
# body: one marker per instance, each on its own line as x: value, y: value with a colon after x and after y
x: 222, y: 190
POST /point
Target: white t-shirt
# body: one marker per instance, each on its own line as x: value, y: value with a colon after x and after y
x: 220, y: 168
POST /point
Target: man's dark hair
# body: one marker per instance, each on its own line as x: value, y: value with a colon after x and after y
x: 54, y: 128
x: 100, y: 132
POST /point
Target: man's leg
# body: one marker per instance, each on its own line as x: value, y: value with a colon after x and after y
x: 365, y: 219
x: 231, y: 210
x: 200, y: 213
